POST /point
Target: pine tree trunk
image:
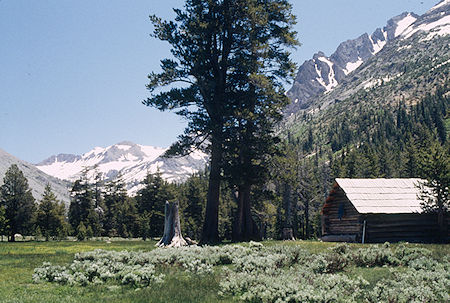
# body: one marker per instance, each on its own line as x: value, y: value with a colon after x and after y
x: 210, y: 232
x: 244, y: 227
x: 441, y: 224
x: 287, y: 231
x: 306, y: 219
x: 172, y: 230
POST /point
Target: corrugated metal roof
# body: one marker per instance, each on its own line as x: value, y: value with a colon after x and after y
x: 383, y: 196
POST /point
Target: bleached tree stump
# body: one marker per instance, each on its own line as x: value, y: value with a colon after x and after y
x: 172, y: 230
x: 288, y: 234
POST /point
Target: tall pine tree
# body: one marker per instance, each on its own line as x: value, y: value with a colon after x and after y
x: 50, y: 216
x: 219, y: 46
x: 18, y: 202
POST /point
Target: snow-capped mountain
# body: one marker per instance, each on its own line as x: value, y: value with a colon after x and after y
x: 414, y: 64
x: 322, y: 74
x: 129, y: 160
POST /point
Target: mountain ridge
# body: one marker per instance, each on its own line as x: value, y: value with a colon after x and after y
x: 126, y: 159
x: 409, y: 37
x: 37, y: 179
x: 322, y: 74
x: 409, y: 68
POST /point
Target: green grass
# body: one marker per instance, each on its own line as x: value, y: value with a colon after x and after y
x: 18, y: 260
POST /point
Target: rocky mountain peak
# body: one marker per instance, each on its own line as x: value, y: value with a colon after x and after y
x: 60, y: 158
x: 322, y: 74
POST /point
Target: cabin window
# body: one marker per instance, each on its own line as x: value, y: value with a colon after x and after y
x: 341, y: 211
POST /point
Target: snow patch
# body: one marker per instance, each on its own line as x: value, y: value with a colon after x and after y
x: 152, y: 152
x: 404, y: 24
x: 351, y: 66
x: 440, y: 27
x: 440, y: 4
x: 331, y: 76
x: 377, y: 46
x: 319, y: 79
x: 441, y: 64
x: 370, y: 83
x: 404, y: 47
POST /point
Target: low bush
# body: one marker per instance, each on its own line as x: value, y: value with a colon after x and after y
x: 280, y: 273
x: 414, y: 286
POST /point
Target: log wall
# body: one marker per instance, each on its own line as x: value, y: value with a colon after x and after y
x: 349, y: 224
x: 419, y: 228
x: 380, y: 228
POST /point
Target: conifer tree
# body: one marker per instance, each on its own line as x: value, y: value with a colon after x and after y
x: 3, y: 221
x: 192, y: 202
x: 81, y: 231
x: 218, y: 46
x: 435, y: 190
x: 82, y: 206
x: 50, y: 215
x: 151, y: 200
x: 18, y: 202
x: 126, y: 218
x: 117, y: 205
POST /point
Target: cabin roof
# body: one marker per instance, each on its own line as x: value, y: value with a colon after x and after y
x: 382, y: 196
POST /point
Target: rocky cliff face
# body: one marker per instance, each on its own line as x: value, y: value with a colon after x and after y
x: 322, y: 74
x: 413, y: 64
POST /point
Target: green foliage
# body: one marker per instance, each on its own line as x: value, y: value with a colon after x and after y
x: 414, y: 286
x: 192, y: 196
x: 119, y: 217
x: 18, y: 202
x: 50, y: 216
x: 436, y: 168
x: 81, y: 231
x: 298, y: 183
x: 258, y: 273
x: 3, y: 221
x: 82, y: 207
x: 150, y: 201
x: 89, y: 232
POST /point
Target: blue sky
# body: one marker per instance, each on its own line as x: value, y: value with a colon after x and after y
x: 73, y: 73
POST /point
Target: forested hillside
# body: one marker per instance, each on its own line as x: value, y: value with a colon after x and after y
x: 377, y: 142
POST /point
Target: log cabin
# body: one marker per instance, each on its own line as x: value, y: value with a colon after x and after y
x: 377, y: 211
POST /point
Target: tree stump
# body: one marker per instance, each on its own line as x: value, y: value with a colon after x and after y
x: 172, y: 230
x: 288, y: 234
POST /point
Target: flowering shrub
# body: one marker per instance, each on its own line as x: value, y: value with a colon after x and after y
x: 374, y: 255
x: 99, y: 267
x: 298, y: 284
x: 281, y: 273
x: 414, y: 286
x: 407, y: 254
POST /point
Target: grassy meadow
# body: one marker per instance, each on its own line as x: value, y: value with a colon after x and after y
x: 18, y: 261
